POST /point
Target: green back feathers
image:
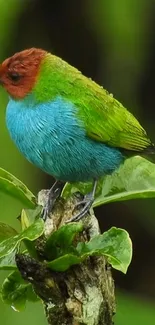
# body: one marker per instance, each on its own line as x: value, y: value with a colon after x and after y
x: 105, y: 119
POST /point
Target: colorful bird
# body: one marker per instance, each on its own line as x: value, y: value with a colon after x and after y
x: 66, y: 124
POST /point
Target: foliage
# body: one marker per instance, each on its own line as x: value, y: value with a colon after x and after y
x: 134, y: 179
x: 15, y: 291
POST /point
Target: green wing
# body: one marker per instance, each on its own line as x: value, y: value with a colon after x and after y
x: 106, y: 120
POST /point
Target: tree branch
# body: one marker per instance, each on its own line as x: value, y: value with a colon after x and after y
x: 83, y: 295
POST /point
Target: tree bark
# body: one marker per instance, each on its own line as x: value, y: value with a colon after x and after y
x: 83, y: 295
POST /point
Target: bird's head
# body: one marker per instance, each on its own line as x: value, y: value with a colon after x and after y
x: 18, y: 73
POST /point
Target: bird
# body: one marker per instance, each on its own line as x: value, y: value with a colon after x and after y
x: 66, y: 124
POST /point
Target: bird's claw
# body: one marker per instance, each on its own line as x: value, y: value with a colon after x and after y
x: 53, y: 194
x: 87, y: 203
x: 45, y: 212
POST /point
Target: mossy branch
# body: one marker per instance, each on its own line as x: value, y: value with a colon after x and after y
x: 82, y: 295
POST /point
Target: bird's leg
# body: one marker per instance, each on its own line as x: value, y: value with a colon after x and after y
x: 86, y: 202
x: 53, y: 194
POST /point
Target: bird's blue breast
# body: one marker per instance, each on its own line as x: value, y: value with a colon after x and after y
x: 52, y: 137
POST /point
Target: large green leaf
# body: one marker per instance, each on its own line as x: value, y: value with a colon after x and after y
x: 114, y: 243
x: 13, y: 186
x: 59, y: 242
x: 15, y: 291
x: 31, y: 233
x: 135, y: 179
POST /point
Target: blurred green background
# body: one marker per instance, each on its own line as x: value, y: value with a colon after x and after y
x: 111, y: 41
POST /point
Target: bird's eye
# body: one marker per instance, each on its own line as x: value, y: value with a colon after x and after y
x: 14, y: 76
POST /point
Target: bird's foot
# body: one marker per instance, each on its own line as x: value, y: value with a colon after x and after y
x: 86, y: 203
x: 53, y: 194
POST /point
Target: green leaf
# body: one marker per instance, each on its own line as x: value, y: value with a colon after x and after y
x: 31, y: 233
x: 135, y: 179
x: 59, y: 242
x: 6, y: 231
x: 15, y: 291
x: 114, y: 243
x: 63, y: 263
x: 13, y: 186
x: 8, y: 262
x: 28, y: 216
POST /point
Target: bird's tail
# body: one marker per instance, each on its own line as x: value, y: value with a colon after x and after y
x: 150, y: 150
x: 146, y: 152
